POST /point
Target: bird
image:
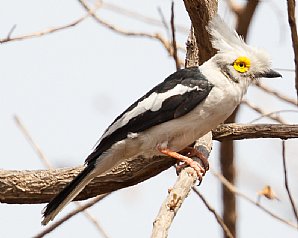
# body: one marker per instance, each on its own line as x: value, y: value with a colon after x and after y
x: 172, y: 115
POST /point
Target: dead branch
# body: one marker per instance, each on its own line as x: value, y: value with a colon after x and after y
x: 216, y: 215
x: 173, y: 202
x: 46, y: 31
x: 48, y: 165
x: 185, y: 182
x: 276, y: 93
x: 236, y: 8
x: 200, y: 13
x: 174, y: 44
x: 166, y: 44
x: 79, y: 209
x: 138, y: 16
x: 293, y: 27
x: 286, y: 181
x: 40, y: 186
x: 259, y: 110
x: 232, y: 188
x: 235, y: 131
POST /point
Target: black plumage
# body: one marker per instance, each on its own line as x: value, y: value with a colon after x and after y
x: 172, y: 107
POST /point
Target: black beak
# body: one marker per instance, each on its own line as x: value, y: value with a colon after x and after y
x: 271, y: 74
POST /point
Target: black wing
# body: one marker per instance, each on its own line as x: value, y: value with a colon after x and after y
x: 172, y: 107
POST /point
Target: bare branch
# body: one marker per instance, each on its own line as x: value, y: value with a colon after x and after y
x: 217, y: 216
x: 33, y: 144
x: 47, y: 31
x: 39, y: 186
x: 234, y: 190
x: 235, y: 131
x: 175, y: 53
x: 48, y: 165
x: 276, y: 93
x: 81, y: 208
x: 173, y: 202
x: 140, y: 17
x: 200, y: 12
x: 167, y: 45
x: 235, y: 7
x: 293, y: 27
x: 259, y: 110
x: 286, y: 181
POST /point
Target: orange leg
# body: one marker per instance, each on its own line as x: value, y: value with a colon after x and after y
x: 194, y: 153
x: 197, y: 167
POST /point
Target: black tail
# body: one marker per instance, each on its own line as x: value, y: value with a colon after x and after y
x: 67, y: 194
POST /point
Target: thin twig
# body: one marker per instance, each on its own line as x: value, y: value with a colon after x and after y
x: 286, y: 181
x: 216, y: 215
x: 292, y: 22
x: 167, y: 45
x: 93, y: 219
x: 54, y: 225
x: 175, y: 55
x: 233, y: 189
x: 286, y: 70
x: 11, y: 31
x: 164, y: 22
x: 276, y: 93
x: 47, y: 31
x: 235, y: 7
x: 272, y: 116
x: 48, y: 165
x: 141, y: 17
x: 33, y: 144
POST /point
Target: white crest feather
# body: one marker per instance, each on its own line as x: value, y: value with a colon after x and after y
x: 223, y: 37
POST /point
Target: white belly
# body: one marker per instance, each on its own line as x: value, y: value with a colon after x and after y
x: 181, y: 132
x: 175, y: 134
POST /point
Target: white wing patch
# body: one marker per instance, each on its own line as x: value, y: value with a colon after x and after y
x: 152, y: 103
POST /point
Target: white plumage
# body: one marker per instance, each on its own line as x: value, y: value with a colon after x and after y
x: 175, y: 113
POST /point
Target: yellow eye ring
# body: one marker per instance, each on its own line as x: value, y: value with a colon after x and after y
x: 241, y: 64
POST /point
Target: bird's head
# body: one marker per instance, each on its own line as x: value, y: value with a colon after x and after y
x: 237, y: 60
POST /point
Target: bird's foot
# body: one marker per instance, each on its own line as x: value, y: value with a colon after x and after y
x: 197, y: 156
x: 200, y: 170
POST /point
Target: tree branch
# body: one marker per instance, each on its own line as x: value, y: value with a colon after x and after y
x: 235, y: 131
x: 217, y: 217
x: 233, y: 189
x: 287, y: 182
x: 173, y: 202
x: 293, y: 27
x: 40, y: 186
x: 46, y: 31
x: 200, y: 12
x: 166, y: 44
x: 79, y: 209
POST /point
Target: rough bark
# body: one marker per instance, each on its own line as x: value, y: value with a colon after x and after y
x: 200, y: 12
x: 236, y: 131
x: 39, y: 186
x: 293, y: 26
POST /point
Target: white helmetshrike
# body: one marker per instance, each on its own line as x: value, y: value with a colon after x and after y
x: 176, y: 112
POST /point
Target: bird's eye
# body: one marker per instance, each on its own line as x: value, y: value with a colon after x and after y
x: 241, y: 64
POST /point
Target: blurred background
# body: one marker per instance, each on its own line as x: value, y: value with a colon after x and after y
x: 68, y: 86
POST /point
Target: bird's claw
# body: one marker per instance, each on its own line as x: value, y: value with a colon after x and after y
x: 197, y: 161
